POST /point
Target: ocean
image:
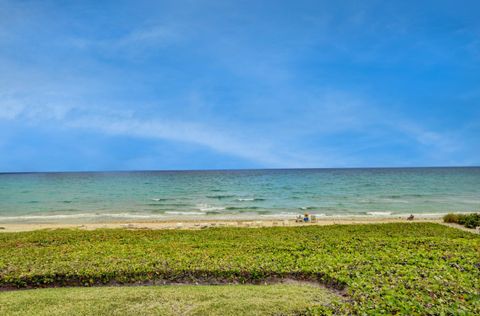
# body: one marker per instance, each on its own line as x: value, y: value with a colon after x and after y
x: 158, y: 195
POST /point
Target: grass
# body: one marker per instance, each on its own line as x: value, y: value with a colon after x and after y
x: 166, y: 300
x: 400, y: 268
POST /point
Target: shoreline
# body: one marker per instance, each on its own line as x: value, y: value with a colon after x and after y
x: 192, y: 223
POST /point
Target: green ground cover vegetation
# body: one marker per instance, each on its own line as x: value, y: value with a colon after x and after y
x: 401, y: 268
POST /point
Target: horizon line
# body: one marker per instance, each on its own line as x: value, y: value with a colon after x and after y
x: 236, y: 169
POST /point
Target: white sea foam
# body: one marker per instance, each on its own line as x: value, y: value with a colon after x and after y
x: 380, y: 213
x: 184, y: 213
x: 307, y: 208
x: 245, y: 199
x: 209, y: 208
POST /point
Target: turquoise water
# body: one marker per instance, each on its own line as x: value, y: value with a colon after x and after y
x: 39, y: 197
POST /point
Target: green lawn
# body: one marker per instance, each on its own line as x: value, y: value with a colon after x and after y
x: 165, y: 300
x: 403, y: 268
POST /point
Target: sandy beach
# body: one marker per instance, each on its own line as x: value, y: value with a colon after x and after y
x: 208, y: 223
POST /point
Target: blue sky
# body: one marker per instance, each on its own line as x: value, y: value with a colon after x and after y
x: 117, y: 85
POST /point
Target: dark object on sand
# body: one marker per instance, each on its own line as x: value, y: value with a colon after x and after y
x: 410, y: 218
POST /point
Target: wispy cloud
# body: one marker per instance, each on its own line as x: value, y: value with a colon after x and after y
x: 117, y: 123
x: 279, y: 146
x: 190, y: 132
x: 142, y: 38
x: 427, y: 137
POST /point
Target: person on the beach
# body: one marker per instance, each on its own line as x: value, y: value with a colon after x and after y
x: 306, y: 217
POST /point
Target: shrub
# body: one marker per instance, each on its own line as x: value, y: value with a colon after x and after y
x: 472, y: 220
x: 451, y: 218
x: 467, y: 220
